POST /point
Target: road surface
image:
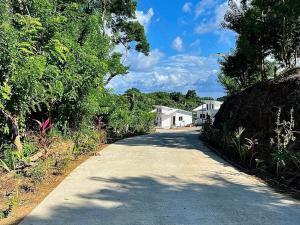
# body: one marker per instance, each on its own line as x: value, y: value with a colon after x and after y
x: 168, y: 178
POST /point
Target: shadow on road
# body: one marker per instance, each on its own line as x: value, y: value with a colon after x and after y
x: 151, y: 201
x: 185, y: 140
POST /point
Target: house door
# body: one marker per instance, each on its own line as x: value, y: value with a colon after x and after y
x: 174, y: 121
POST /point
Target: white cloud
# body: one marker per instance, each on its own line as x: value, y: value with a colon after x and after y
x: 213, y: 25
x: 177, y: 44
x: 139, y: 62
x: 215, y: 22
x: 187, y: 7
x: 176, y: 73
x: 203, y: 6
x: 145, y: 18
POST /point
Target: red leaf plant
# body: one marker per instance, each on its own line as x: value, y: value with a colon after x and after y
x: 44, y: 128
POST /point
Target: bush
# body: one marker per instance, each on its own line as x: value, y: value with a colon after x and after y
x: 85, y: 141
x: 40, y: 171
x: 283, y: 155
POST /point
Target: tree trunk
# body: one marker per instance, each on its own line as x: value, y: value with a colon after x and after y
x: 16, y: 138
x: 17, y: 142
x: 15, y: 134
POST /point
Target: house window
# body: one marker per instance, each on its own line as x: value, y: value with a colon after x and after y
x: 212, y: 106
x: 202, y: 116
x: 158, y: 110
x: 180, y: 118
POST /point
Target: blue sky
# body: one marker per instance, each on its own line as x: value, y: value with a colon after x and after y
x: 184, y: 38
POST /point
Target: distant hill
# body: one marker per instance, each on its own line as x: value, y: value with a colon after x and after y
x: 187, y: 101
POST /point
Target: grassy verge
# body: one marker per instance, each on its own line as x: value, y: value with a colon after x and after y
x: 243, y: 154
x: 24, y: 184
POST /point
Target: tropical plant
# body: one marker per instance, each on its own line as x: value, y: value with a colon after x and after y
x: 237, y: 142
x: 285, y: 136
x: 56, y: 58
x: 44, y: 127
x: 250, y: 145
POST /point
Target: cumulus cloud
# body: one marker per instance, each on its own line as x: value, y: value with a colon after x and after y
x: 187, y: 7
x: 177, y: 44
x: 176, y: 73
x: 145, y: 18
x: 139, y: 62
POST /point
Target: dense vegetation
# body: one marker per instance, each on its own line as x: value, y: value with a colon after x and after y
x: 268, y: 41
x: 188, y: 101
x: 56, y: 56
x: 258, y: 124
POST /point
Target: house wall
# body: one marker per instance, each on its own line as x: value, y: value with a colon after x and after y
x: 166, y: 121
x: 164, y: 117
x: 186, y: 119
x: 211, y: 113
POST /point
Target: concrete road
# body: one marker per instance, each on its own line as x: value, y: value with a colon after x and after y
x: 169, y: 178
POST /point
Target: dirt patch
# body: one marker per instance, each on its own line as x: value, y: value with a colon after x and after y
x: 30, y: 195
x: 256, y: 109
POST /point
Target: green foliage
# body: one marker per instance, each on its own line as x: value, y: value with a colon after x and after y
x: 11, y: 158
x: 56, y: 58
x: 120, y: 121
x: 282, y: 154
x: 240, y: 147
x: 85, y: 141
x: 39, y: 171
x: 188, y: 101
x: 266, y: 29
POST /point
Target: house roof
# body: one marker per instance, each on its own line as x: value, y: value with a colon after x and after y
x: 172, y: 110
x: 203, y: 106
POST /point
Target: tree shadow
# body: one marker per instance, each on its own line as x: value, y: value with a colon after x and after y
x: 178, y: 140
x: 171, y: 201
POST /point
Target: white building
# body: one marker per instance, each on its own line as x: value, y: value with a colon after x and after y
x: 208, y: 108
x: 167, y: 117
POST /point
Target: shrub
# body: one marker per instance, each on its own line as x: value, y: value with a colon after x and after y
x: 282, y: 142
x: 60, y: 163
x: 39, y: 171
x: 85, y: 141
x: 11, y: 158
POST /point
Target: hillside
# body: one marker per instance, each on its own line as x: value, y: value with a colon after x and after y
x: 256, y: 109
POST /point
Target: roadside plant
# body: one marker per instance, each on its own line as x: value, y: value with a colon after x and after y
x: 282, y: 141
x: 11, y: 158
x: 44, y: 127
x: 207, y: 129
x: 238, y: 143
x: 226, y: 136
x: 250, y: 145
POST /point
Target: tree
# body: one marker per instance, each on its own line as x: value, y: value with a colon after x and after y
x: 191, y: 94
x: 119, y: 18
x: 54, y: 58
x: 265, y: 29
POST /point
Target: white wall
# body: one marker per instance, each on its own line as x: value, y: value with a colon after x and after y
x: 164, y: 117
x: 166, y: 121
x: 186, y: 119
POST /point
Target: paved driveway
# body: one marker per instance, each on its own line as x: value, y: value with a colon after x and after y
x: 169, y: 178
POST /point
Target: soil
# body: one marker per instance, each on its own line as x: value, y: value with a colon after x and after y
x: 31, y: 195
x: 256, y: 109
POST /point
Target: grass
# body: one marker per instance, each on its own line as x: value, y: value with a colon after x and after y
x: 33, y: 182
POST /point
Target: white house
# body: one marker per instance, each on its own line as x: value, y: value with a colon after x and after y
x: 167, y: 117
x: 208, y: 108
